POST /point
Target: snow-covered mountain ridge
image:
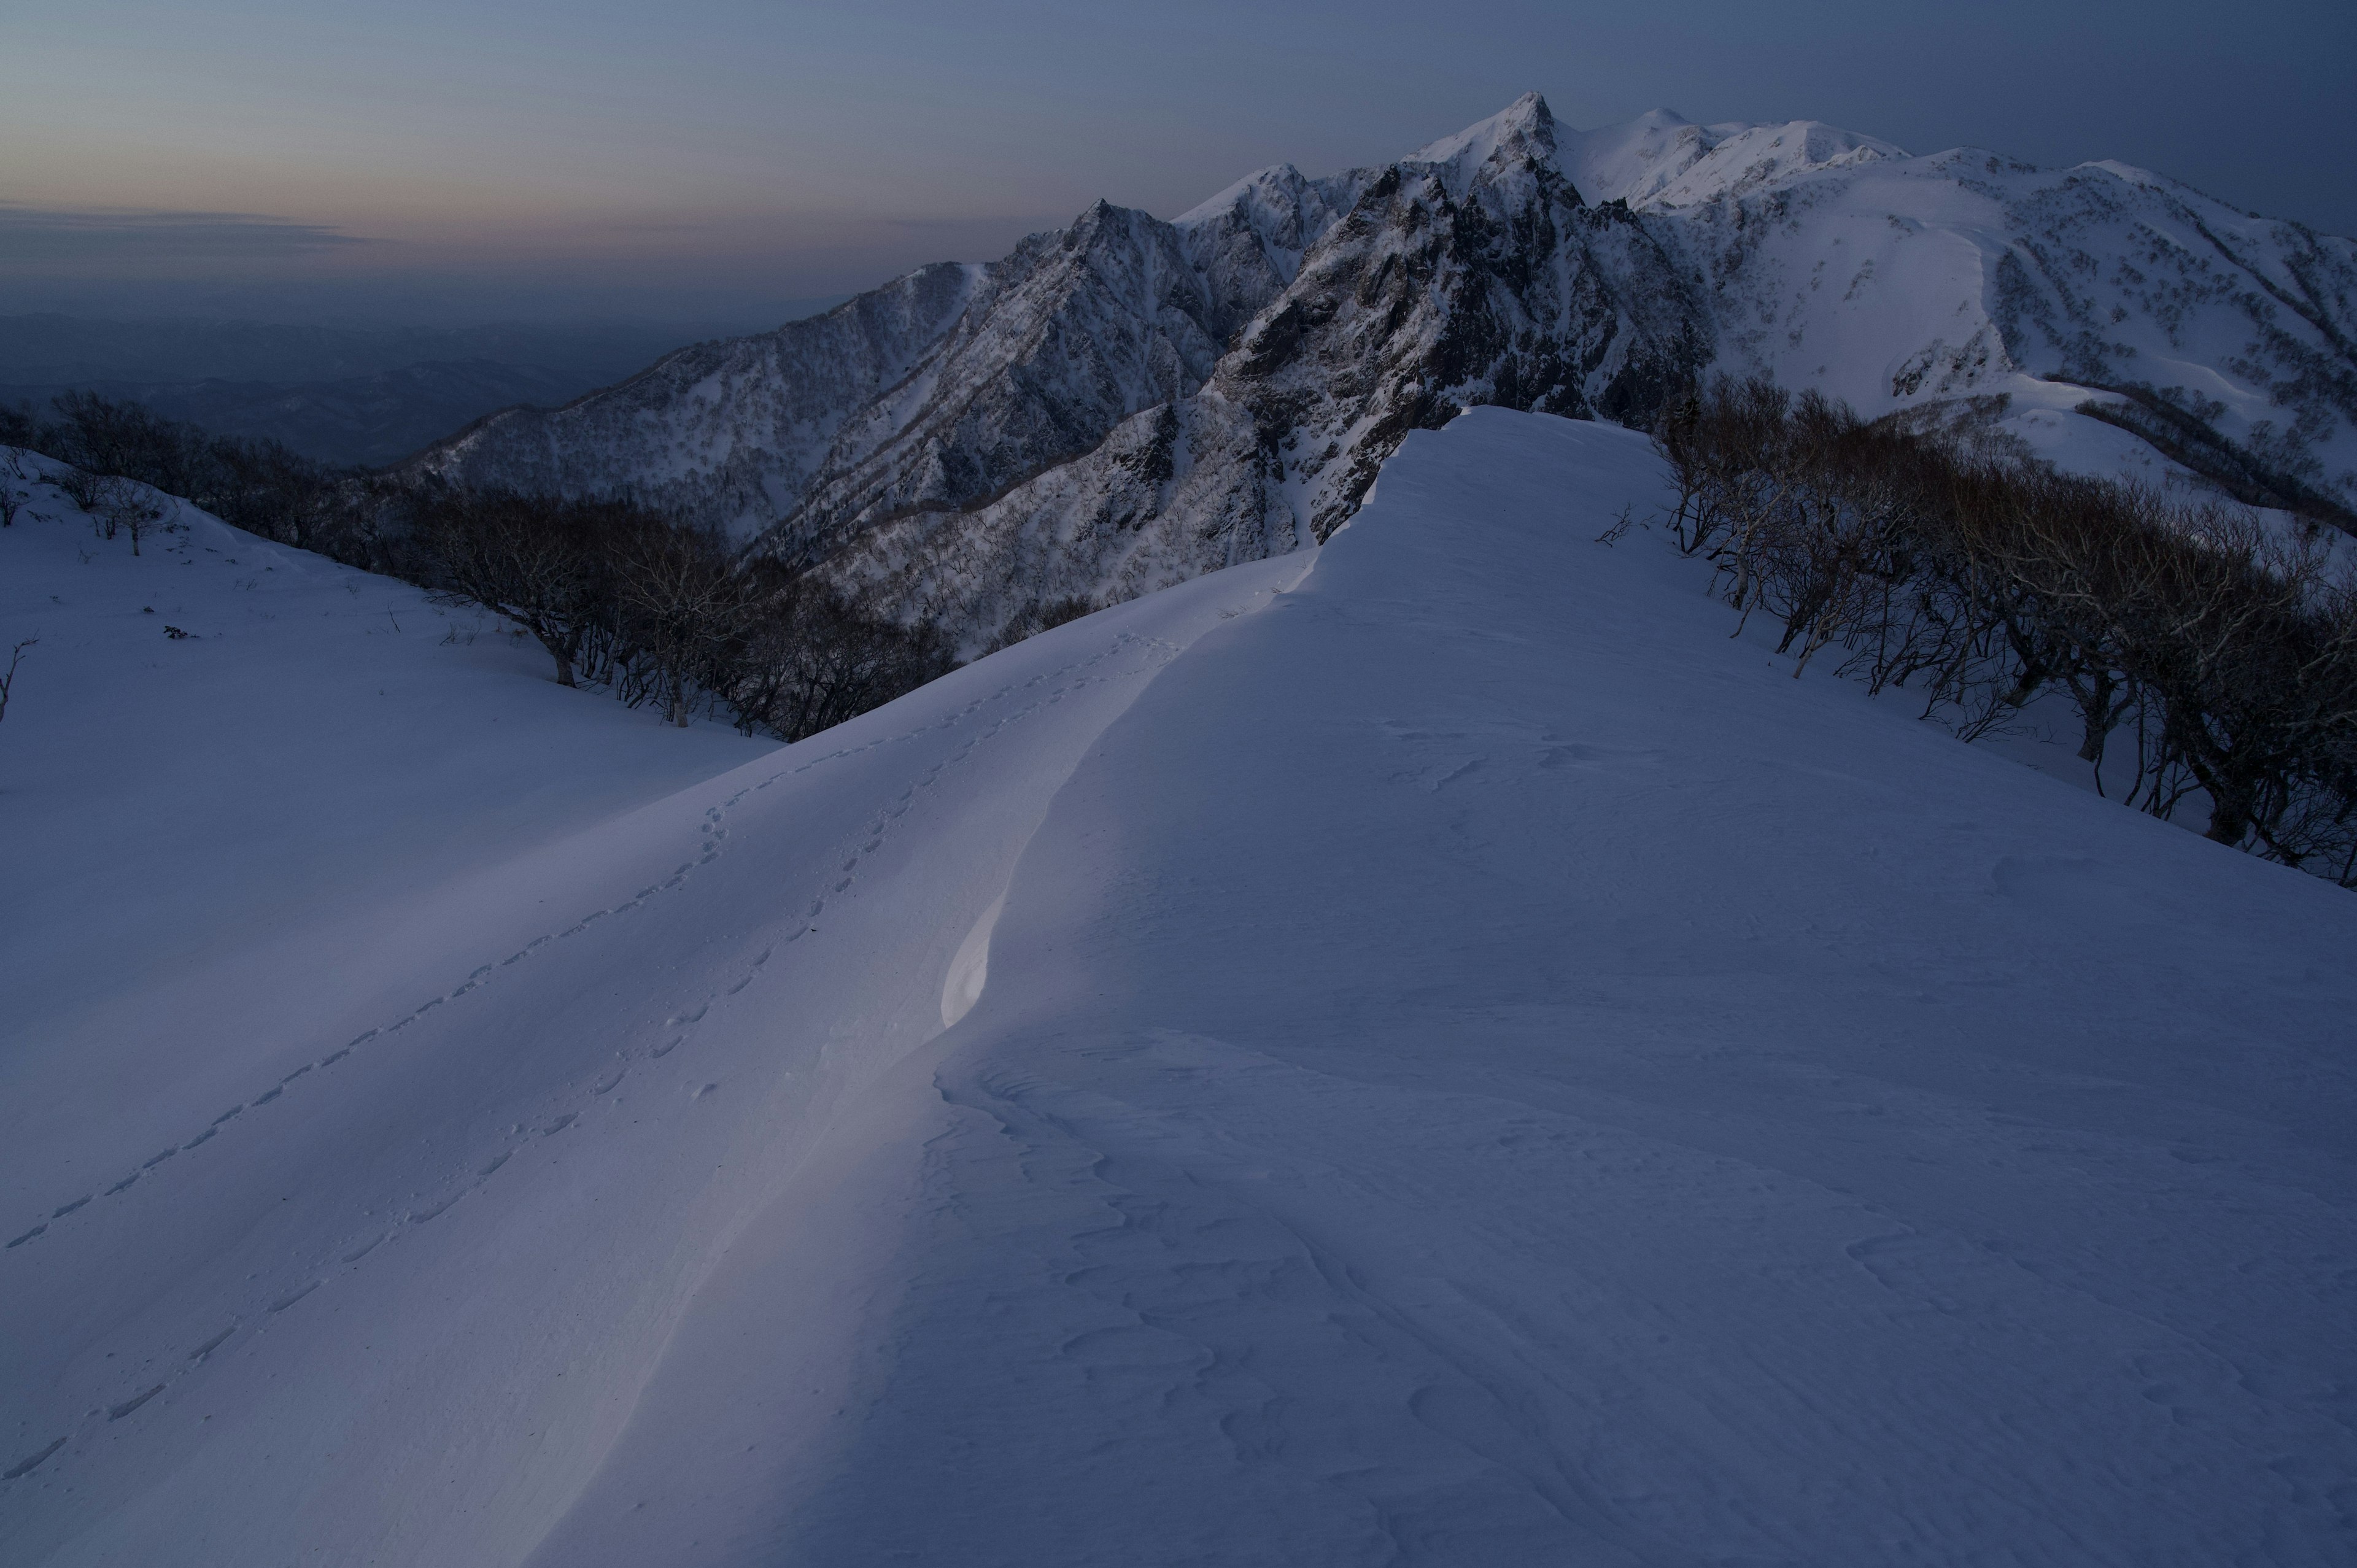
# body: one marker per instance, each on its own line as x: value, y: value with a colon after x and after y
x: 1125, y: 403
x: 1421, y: 1051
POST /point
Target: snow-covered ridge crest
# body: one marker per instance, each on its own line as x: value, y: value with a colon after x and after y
x: 1127, y: 402
x: 519, y: 1135
x: 1662, y: 160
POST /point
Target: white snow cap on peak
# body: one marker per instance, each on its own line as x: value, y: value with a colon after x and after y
x: 1524, y: 129
x: 2146, y: 178
x: 1282, y: 179
x: 1527, y: 118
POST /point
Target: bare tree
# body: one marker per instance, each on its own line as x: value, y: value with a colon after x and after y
x: 533, y: 559
x: 683, y: 606
x: 8, y: 679
x: 128, y: 506
x: 104, y: 435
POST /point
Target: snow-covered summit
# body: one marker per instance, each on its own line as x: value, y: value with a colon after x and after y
x: 1661, y: 159
x: 1521, y: 134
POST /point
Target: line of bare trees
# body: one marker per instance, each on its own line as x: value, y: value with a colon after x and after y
x: 259, y: 485
x: 2204, y: 653
x: 619, y: 594
x: 664, y: 612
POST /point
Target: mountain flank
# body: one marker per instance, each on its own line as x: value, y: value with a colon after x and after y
x: 1129, y: 401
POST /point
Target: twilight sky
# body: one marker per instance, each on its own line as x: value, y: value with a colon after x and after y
x: 716, y: 160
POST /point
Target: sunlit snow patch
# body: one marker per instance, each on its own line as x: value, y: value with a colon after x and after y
x: 970, y: 970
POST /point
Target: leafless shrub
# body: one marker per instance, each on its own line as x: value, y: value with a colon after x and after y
x: 85, y: 489
x: 813, y: 660
x: 1040, y: 614
x: 125, y: 505
x: 19, y: 427
x: 103, y: 435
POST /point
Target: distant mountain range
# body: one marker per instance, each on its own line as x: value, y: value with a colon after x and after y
x: 1127, y: 402
x: 339, y: 395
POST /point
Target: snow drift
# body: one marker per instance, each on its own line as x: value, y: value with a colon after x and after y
x: 1424, y: 1050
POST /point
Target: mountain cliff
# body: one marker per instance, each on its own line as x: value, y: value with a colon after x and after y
x: 1129, y: 401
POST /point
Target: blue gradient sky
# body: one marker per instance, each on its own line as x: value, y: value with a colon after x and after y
x: 718, y: 159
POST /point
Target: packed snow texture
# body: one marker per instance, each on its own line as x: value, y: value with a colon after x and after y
x: 1421, y: 1051
x: 1126, y: 402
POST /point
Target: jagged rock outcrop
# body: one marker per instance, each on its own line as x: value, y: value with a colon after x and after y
x: 1471, y: 273
x: 1127, y: 402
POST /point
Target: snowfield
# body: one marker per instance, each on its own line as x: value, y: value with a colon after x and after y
x: 1423, y: 1050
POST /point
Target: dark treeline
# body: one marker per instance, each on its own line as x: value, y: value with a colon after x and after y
x: 618, y: 594
x: 259, y: 485
x: 2200, y: 649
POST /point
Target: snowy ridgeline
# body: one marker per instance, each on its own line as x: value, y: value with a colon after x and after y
x: 1424, y: 1050
x: 1125, y: 403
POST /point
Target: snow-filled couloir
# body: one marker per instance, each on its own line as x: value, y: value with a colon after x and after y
x: 1424, y: 1050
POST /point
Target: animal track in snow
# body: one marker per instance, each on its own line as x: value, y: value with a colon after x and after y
x: 352, y: 1253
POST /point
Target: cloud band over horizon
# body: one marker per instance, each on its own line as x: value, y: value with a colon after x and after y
x: 590, y: 155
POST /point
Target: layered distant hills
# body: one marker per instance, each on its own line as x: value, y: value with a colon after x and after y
x: 338, y: 394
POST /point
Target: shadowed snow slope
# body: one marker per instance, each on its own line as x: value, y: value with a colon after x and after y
x: 1464, y: 1063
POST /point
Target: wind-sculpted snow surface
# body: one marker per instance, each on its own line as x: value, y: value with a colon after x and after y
x: 352, y: 1229
x: 1127, y: 402
x: 1477, y: 1068
x: 1447, y: 1059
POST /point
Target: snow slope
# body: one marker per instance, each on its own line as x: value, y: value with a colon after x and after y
x: 353, y: 1234
x: 322, y: 740
x: 1445, y: 1059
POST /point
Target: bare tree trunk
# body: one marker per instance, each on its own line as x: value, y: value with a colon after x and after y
x: 9, y: 676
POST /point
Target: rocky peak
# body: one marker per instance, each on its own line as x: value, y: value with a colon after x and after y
x: 1507, y: 146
